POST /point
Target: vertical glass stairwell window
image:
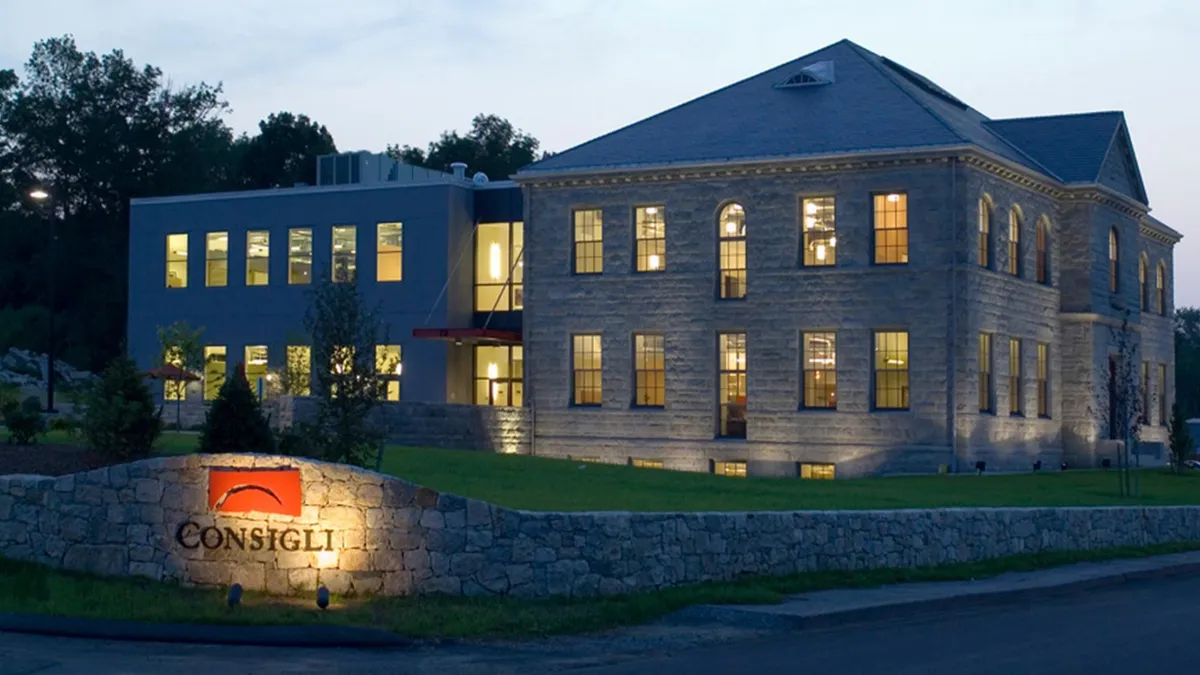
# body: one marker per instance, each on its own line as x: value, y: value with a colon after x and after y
x: 499, y: 375
x: 345, y: 253
x: 820, y: 237
x: 651, y: 228
x: 732, y: 254
x: 732, y: 384
x: 589, y: 241
x: 498, y: 282
x: 177, y: 259
x: 216, y: 259
x: 258, y: 257
x: 300, y: 256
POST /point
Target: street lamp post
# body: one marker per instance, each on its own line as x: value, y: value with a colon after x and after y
x: 43, y: 198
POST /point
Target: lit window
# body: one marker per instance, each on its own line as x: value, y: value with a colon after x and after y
x: 1043, y: 379
x: 732, y: 365
x: 820, y: 234
x: 498, y: 283
x: 650, y: 371
x: 891, y: 229
x: 1114, y: 260
x: 214, y: 371
x: 733, y: 251
x: 216, y: 259
x: 1043, y: 252
x: 389, y: 252
x: 589, y: 241
x: 1014, y: 242
x: 389, y: 367
x: 891, y: 370
x: 1015, y: 383
x: 587, y: 370
x: 258, y: 257
x: 1162, y: 289
x: 1162, y: 394
x: 985, y: 228
x: 345, y: 253
x: 1143, y: 287
x: 174, y: 390
x: 256, y: 367
x: 585, y: 460
x: 985, y: 372
x: 177, y: 251
x: 645, y: 463
x: 651, y: 229
x: 735, y: 469
x: 811, y: 471
x: 820, y: 369
x: 499, y: 374
x: 341, y: 366
x: 1144, y: 417
x: 298, y: 370
x: 300, y: 255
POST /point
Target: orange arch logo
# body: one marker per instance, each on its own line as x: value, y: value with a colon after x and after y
x: 263, y: 490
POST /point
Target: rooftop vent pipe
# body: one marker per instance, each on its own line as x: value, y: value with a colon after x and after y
x: 460, y: 169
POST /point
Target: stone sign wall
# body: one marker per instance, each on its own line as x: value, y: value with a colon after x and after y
x: 209, y: 520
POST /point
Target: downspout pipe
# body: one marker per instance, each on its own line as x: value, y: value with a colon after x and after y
x: 952, y: 350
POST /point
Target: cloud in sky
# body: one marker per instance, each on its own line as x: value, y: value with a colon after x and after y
x: 394, y: 71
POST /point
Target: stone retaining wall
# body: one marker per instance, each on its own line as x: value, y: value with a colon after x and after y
x: 361, y: 532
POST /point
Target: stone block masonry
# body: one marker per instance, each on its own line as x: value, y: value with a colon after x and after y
x: 363, y: 533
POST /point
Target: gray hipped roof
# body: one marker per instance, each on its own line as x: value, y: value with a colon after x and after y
x: 848, y: 100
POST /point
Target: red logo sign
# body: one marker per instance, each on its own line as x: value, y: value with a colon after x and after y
x: 262, y: 490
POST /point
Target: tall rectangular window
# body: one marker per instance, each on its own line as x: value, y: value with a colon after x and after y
x: 345, y: 253
x: 498, y: 282
x: 216, y: 259
x: 587, y: 370
x: 256, y: 367
x: 300, y: 255
x: 1014, y: 243
x: 985, y: 234
x: 985, y: 372
x: 499, y: 375
x: 650, y: 371
x: 891, y: 370
x: 589, y: 241
x: 651, y: 229
x: 1043, y: 379
x: 177, y: 256
x: 214, y: 371
x: 258, y: 257
x: 1162, y: 394
x: 388, y: 367
x: 174, y: 390
x: 820, y: 369
x: 1015, y: 382
x: 735, y: 469
x: 389, y: 252
x: 733, y: 252
x: 891, y: 229
x: 732, y: 385
x: 298, y: 370
x: 820, y: 235
x: 1144, y: 418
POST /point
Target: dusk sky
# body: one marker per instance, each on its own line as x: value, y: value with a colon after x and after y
x: 391, y: 71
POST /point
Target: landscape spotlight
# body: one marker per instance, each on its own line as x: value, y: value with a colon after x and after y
x: 1063, y: 466
x: 235, y: 594
x: 980, y: 466
x: 39, y: 195
x: 322, y: 597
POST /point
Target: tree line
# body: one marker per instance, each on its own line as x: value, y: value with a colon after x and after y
x: 97, y: 130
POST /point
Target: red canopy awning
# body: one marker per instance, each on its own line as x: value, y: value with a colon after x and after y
x: 480, y: 336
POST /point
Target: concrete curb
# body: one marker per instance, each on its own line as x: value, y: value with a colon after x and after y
x: 198, y: 633
x: 763, y: 617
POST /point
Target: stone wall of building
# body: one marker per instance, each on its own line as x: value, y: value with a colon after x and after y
x: 365, y: 533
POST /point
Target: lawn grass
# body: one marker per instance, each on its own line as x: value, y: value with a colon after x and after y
x: 169, y: 443
x: 32, y: 588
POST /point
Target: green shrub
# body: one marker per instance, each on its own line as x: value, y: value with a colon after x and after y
x: 31, y: 404
x: 64, y: 424
x: 300, y: 440
x: 120, y: 421
x: 235, y: 423
x: 24, y: 422
x: 9, y: 393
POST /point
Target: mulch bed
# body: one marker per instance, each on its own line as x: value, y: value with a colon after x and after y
x: 47, y: 459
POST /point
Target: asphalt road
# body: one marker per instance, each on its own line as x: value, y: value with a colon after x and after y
x: 1145, y: 627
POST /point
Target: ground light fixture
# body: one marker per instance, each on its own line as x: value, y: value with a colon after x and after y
x: 323, y: 597
x: 235, y: 595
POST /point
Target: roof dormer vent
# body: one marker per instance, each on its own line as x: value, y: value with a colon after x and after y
x: 811, y: 75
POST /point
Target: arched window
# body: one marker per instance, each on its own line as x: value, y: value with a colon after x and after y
x: 1014, y: 242
x: 1143, y: 287
x: 732, y: 236
x: 1162, y: 289
x: 1043, y: 252
x: 1114, y: 260
x: 985, y: 227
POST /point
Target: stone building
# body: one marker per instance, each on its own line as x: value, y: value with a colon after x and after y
x: 836, y: 267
